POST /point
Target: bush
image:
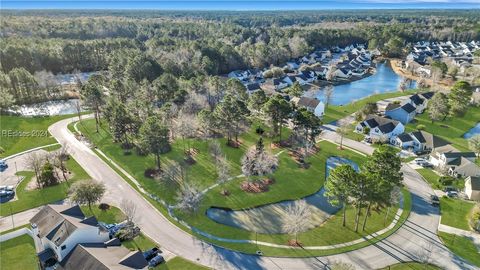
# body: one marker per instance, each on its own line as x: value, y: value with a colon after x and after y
x: 366, y: 130
x: 259, y: 130
x: 446, y: 180
x: 104, y: 206
x: 47, y: 176
x: 128, y: 232
x: 420, y: 127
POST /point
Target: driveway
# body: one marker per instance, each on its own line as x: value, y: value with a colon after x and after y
x: 414, y: 240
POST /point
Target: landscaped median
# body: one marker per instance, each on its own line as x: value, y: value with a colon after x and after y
x: 291, y: 183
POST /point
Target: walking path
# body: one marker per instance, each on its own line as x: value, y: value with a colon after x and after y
x: 475, y: 237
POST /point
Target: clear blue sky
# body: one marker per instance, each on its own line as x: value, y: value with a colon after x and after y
x: 241, y: 5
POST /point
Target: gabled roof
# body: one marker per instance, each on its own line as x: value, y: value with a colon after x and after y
x: 427, y: 95
x: 387, y: 128
x: 417, y: 100
x: 102, y: 256
x: 392, y: 106
x: 405, y: 137
x: 474, y: 182
x: 459, y: 154
x: 308, y: 102
x: 429, y: 139
x: 408, y: 108
x: 58, y: 222
x: 253, y: 86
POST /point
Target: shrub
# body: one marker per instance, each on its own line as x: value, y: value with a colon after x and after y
x: 366, y: 130
x: 47, y: 176
x: 259, y: 130
x: 420, y: 127
x: 104, y: 206
x: 446, y: 180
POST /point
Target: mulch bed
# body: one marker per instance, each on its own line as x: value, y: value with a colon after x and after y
x: 257, y: 186
x: 294, y: 243
x: 152, y: 173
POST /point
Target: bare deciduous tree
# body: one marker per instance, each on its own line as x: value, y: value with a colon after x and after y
x: 189, y: 198
x: 327, y: 93
x: 215, y: 150
x: 129, y: 209
x: 257, y: 162
x: 174, y: 174
x: 297, y: 219
x: 35, y: 162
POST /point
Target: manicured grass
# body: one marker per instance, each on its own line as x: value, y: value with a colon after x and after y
x: 333, y: 113
x: 461, y: 246
x: 15, y: 144
x: 412, y: 266
x: 16, y: 228
x: 291, y: 183
x: 431, y: 177
x: 140, y: 242
x: 455, y: 212
x: 18, y: 253
x: 179, y: 263
x: 452, y: 129
x: 28, y: 199
x: 112, y: 215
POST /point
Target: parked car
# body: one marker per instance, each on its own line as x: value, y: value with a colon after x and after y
x: 3, y: 165
x: 449, y: 188
x: 420, y: 161
x: 434, y: 200
x: 158, y: 259
x: 427, y: 165
x: 452, y: 194
x: 151, y: 253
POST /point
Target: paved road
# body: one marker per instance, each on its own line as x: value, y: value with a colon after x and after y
x: 408, y: 243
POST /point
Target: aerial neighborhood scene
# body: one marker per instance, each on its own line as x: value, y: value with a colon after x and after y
x: 194, y: 135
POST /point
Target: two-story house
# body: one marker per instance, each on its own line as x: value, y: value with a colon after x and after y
x: 313, y: 105
x: 381, y: 128
x: 403, y: 113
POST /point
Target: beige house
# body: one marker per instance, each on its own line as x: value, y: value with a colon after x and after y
x: 472, y: 188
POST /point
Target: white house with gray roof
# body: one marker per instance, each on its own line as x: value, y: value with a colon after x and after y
x: 381, y: 128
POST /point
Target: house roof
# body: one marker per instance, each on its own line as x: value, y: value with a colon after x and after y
x: 427, y: 95
x: 101, y: 256
x: 408, y: 108
x: 58, y: 222
x: 374, y: 121
x: 474, y: 182
x: 405, y: 137
x: 429, y: 139
x: 253, y: 86
x: 308, y: 102
x: 387, y: 128
x: 392, y: 106
x: 459, y: 154
x: 417, y: 100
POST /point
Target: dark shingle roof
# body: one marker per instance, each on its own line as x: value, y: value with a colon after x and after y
x: 460, y: 154
x: 419, y: 136
x: 417, y: 99
x: 427, y: 95
x: 253, y: 86
x: 475, y: 182
x: 405, y: 137
x: 392, y: 106
x: 387, y: 128
x: 408, y: 108
x: 308, y: 102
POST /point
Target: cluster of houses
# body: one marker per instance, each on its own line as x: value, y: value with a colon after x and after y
x: 353, y: 60
x: 66, y: 239
x: 390, y: 128
x: 457, y: 53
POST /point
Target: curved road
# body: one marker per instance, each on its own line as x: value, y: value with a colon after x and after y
x: 408, y: 243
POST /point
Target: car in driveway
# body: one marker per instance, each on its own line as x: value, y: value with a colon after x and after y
x: 151, y: 253
x: 452, y: 194
x: 420, y: 161
x: 426, y: 164
x: 158, y: 259
x: 434, y: 200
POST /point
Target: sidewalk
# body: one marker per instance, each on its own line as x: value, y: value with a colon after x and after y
x: 19, y: 219
x: 475, y: 237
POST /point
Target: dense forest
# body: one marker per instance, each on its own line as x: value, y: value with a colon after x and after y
x: 142, y: 45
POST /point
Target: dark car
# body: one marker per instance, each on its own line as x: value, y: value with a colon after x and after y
x: 149, y: 254
x: 434, y: 200
x: 3, y: 165
x: 158, y: 259
x: 427, y: 165
x: 449, y: 188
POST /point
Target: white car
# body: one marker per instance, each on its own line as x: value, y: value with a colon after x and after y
x: 420, y: 161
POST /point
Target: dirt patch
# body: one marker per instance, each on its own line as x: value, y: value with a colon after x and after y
x: 32, y: 185
x: 257, y: 186
x: 281, y: 144
x: 234, y: 143
x: 294, y: 243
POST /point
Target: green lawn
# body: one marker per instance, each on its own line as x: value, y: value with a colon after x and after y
x: 455, y: 212
x: 461, y: 246
x: 452, y: 129
x: 179, y: 263
x: 334, y: 113
x: 291, y: 183
x: 411, y: 266
x: 433, y: 179
x: 18, y: 253
x: 112, y: 215
x: 28, y: 199
x: 15, y: 144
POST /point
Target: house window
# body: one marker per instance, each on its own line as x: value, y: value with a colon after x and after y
x: 63, y: 247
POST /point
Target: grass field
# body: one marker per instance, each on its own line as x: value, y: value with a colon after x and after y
x: 37, y: 125
x: 433, y: 179
x: 452, y: 129
x: 18, y: 253
x: 333, y: 113
x: 455, y: 212
x: 462, y: 246
x: 28, y: 199
x: 112, y: 215
x: 179, y: 263
x: 411, y: 266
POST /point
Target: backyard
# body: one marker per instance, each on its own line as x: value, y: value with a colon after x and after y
x: 203, y: 174
x: 18, y: 253
x: 433, y: 179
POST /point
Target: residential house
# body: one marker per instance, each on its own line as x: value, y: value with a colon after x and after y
x: 103, y: 256
x: 293, y: 65
x: 253, y: 87
x: 57, y: 229
x: 472, y: 188
x: 418, y: 102
x: 403, y: 113
x: 424, y: 141
x: 313, y: 105
x: 381, y: 128
x: 404, y: 141
x: 343, y: 73
x: 281, y: 83
x: 238, y: 74
x: 463, y: 166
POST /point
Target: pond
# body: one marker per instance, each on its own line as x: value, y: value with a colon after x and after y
x: 383, y: 80
x: 270, y: 218
x: 472, y: 132
x: 65, y: 79
x: 48, y: 108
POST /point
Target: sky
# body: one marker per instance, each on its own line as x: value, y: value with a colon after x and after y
x: 240, y: 4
